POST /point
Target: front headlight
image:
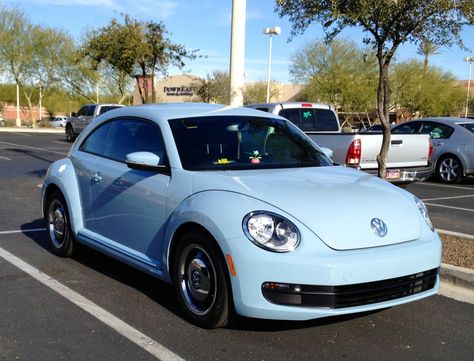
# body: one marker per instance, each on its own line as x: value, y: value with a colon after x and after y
x: 424, y: 212
x: 271, y: 231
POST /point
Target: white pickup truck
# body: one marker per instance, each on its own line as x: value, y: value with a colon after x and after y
x: 408, y: 157
x: 78, y: 121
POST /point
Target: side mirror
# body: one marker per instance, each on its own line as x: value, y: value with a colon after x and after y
x: 74, y: 114
x: 329, y: 153
x: 145, y: 161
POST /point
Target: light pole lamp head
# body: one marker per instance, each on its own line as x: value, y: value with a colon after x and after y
x: 469, y: 59
x: 276, y: 30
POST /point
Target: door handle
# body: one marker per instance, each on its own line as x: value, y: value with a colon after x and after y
x: 96, y: 178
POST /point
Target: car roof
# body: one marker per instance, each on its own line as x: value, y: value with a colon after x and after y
x: 165, y: 111
x: 292, y: 105
x: 447, y: 120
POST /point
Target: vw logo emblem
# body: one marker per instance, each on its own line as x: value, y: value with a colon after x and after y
x: 378, y: 227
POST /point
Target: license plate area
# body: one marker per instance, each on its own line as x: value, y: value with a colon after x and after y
x: 392, y: 174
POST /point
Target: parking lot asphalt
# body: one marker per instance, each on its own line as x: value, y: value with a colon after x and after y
x: 38, y: 323
x: 451, y: 206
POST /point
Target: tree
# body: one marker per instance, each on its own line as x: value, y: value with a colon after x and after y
x: 339, y: 73
x: 214, y: 88
x: 426, y: 91
x: 426, y: 48
x: 34, y: 57
x: 257, y: 92
x: 134, y: 48
x: 387, y: 24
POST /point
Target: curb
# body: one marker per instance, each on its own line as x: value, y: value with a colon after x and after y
x: 31, y: 130
x: 457, y: 276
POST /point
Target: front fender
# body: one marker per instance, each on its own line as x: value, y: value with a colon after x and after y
x: 61, y: 174
x: 221, y: 213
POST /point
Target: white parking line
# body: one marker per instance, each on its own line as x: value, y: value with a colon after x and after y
x: 4, y: 158
x: 442, y: 198
x: 443, y: 185
x: 129, y: 332
x: 23, y: 134
x: 24, y: 231
x: 456, y: 208
x: 34, y: 148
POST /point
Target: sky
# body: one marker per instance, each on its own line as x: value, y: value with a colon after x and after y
x: 206, y: 25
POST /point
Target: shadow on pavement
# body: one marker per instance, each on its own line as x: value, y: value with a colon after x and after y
x: 158, y: 291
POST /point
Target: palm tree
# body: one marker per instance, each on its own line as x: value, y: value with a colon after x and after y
x: 426, y: 49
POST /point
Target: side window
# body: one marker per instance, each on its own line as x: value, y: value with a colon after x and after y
x: 119, y: 137
x: 408, y: 128
x: 90, y: 110
x: 105, y: 109
x: 293, y: 115
x: 82, y: 111
x: 436, y: 130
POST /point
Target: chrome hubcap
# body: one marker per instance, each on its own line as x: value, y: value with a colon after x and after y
x: 197, y: 279
x: 57, y: 223
x: 449, y: 169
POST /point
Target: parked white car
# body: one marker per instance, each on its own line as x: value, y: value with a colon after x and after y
x: 59, y: 121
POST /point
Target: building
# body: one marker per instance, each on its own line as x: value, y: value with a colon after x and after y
x: 182, y: 88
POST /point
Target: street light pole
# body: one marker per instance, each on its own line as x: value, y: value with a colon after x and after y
x: 237, y: 52
x: 18, y: 120
x: 469, y: 59
x: 276, y: 30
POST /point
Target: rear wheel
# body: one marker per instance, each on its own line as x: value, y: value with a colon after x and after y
x: 449, y: 169
x: 58, y: 225
x: 70, y: 133
x: 200, y: 282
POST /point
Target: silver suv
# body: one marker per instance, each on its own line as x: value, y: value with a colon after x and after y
x: 78, y: 121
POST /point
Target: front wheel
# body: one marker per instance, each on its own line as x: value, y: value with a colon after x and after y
x: 58, y: 225
x: 449, y: 169
x: 200, y: 281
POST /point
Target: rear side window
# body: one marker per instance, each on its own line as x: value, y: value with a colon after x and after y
x: 436, y: 130
x: 107, y: 108
x: 311, y: 119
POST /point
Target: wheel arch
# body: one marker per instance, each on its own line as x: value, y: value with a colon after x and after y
x: 62, y: 177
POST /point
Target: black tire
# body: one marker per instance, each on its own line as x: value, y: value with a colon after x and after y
x: 449, y: 169
x: 70, y: 136
x: 60, y: 236
x: 200, y: 280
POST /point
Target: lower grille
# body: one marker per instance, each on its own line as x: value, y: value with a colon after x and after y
x: 350, y: 295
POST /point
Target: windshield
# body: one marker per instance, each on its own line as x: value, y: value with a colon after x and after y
x: 468, y: 126
x: 238, y: 142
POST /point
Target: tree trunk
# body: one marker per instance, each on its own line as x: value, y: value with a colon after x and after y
x: 153, y: 90
x: 383, y: 102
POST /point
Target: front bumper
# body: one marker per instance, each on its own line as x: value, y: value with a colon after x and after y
x: 405, y: 175
x: 327, y: 267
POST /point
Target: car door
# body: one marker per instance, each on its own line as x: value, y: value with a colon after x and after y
x: 440, y: 136
x: 127, y: 206
x: 81, y: 119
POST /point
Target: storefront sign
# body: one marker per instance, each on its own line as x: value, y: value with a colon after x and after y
x: 178, y: 91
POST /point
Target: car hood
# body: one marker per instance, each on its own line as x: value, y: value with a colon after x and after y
x: 336, y: 203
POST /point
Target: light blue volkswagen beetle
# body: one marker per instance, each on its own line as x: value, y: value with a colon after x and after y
x: 241, y: 212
